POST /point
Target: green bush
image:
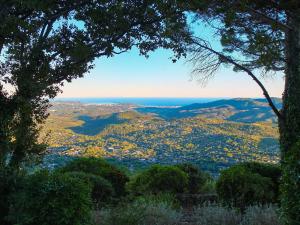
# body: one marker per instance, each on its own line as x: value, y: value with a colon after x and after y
x: 209, y: 187
x: 266, y: 170
x: 143, y: 211
x: 9, y: 183
x: 159, y: 179
x: 102, y: 189
x: 197, y: 179
x: 240, y: 187
x: 100, y: 167
x: 51, y: 199
x: 165, y: 198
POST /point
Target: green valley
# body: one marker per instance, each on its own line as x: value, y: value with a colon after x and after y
x: 213, y: 135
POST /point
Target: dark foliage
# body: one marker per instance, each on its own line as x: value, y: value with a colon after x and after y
x: 259, y: 38
x: 100, y: 167
x: 196, y: 178
x: 159, y: 179
x: 241, y: 185
x: 102, y: 189
x: 51, y: 199
x: 10, y: 182
x: 290, y: 201
x: 267, y: 170
x: 44, y: 44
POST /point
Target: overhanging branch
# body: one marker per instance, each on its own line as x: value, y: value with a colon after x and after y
x: 268, y: 20
x: 225, y: 58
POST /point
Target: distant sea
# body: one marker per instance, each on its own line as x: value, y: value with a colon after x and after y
x: 141, y: 101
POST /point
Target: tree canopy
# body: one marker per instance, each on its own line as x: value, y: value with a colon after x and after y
x: 259, y: 38
x: 252, y: 36
x: 46, y: 43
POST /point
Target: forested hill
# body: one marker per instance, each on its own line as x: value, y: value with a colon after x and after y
x: 212, y: 135
x: 237, y: 110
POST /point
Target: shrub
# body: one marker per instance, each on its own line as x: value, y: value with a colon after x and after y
x: 9, y: 183
x: 209, y: 187
x: 102, y: 190
x: 100, y: 167
x: 264, y: 215
x: 216, y: 215
x: 140, y: 212
x: 239, y: 187
x: 166, y: 198
x: 266, y: 170
x: 161, y: 214
x: 159, y: 179
x: 5, y: 186
x: 51, y: 199
x: 197, y: 179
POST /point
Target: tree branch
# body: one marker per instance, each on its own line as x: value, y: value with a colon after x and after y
x: 268, y: 20
x: 222, y: 57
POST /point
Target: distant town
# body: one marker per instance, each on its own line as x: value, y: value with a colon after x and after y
x: 137, y: 137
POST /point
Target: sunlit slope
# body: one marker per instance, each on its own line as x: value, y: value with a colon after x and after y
x: 238, y: 110
x: 147, y: 138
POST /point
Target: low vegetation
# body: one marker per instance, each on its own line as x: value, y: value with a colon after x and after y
x: 100, y: 167
x: 247, y: 184
x: 198, y: 181
x: 143, y: 211
x: 90, y: 191
x: 10, y: 183
x: 102, y: 189
x: 218, y: 215
x: 159, y: 179
x: 51, y: 199
x: 261, y: 215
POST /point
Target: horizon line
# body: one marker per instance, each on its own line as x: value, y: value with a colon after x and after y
x: 224, y: 97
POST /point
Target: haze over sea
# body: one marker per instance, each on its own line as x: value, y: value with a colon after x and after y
x: 170, y: 102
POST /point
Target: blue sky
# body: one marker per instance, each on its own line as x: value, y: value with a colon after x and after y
x: 132, y: 75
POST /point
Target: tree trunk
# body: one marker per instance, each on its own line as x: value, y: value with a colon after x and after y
x: 289, y: 127
x: 6, y: 117
x: 4, y: 139
x: 25, y: 134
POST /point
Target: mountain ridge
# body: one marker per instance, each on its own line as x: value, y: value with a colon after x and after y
x: 238, y: 109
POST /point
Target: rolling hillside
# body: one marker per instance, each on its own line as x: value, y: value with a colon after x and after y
x: 212, y: 135
x: 237, y: 110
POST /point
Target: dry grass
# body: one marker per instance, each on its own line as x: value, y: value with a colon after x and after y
x: 261, y: 215
x: 216, y: 215
x: 138, y: 213
x: 147, y: 213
